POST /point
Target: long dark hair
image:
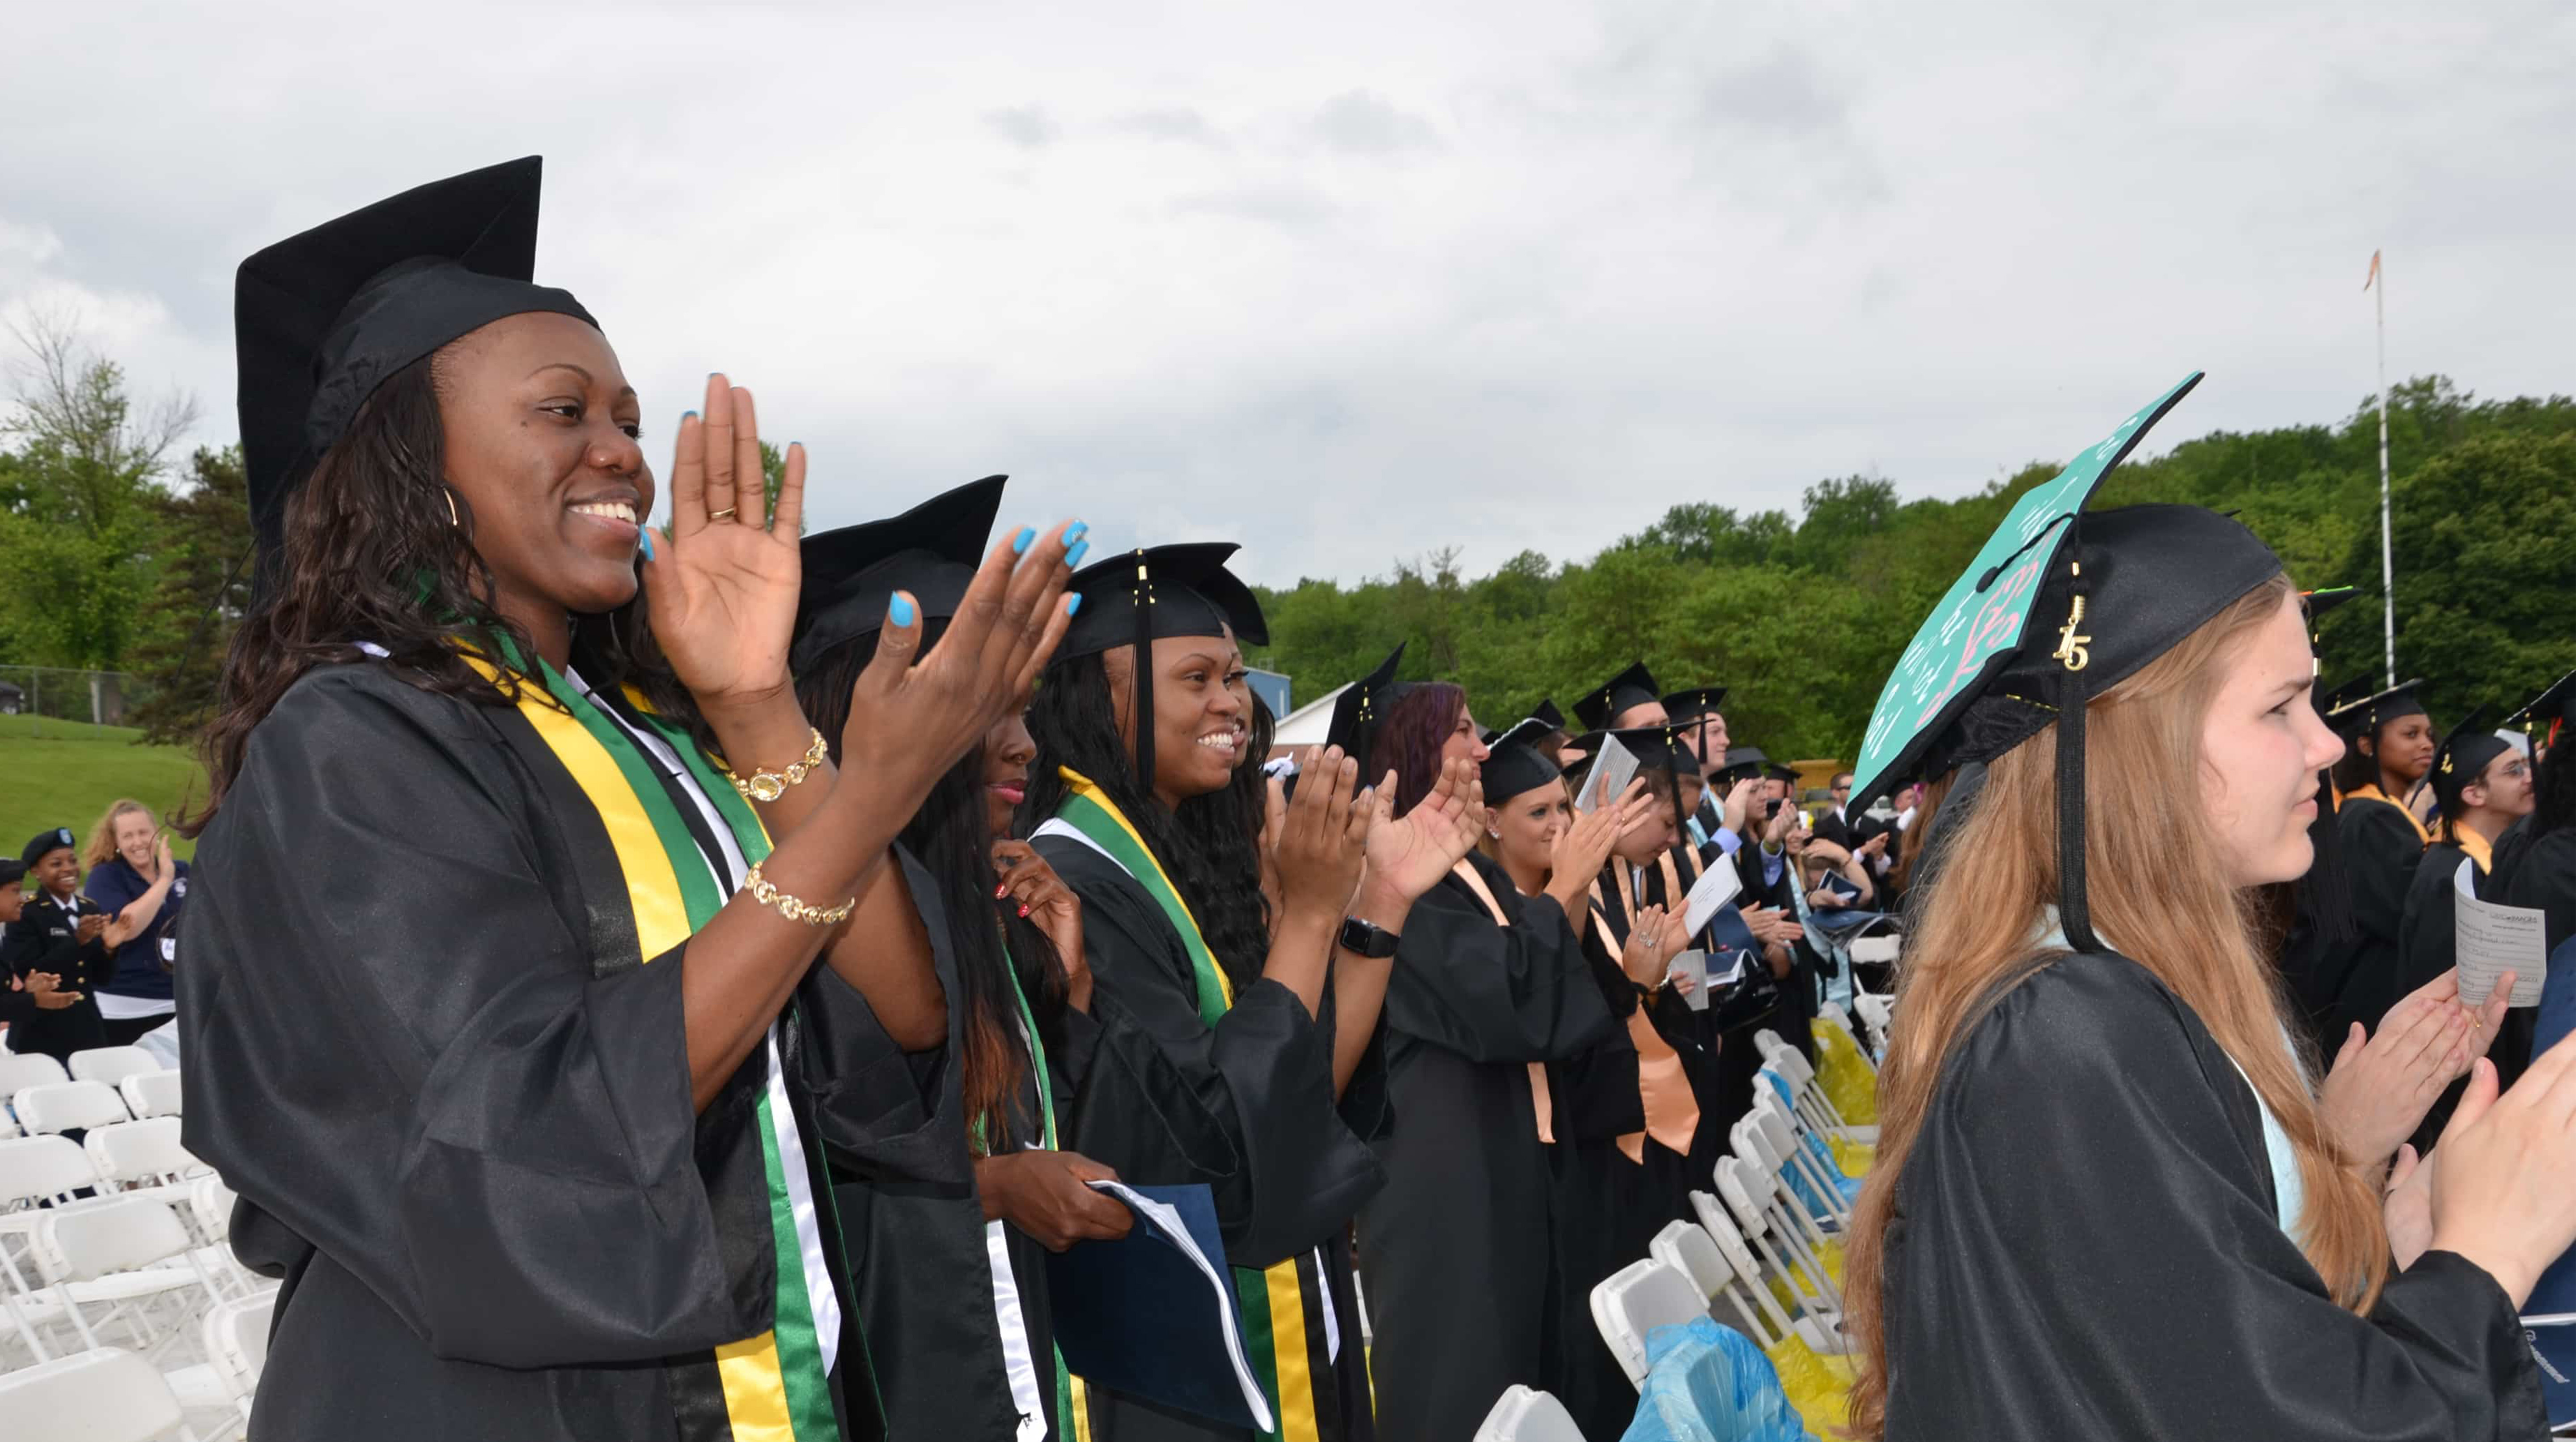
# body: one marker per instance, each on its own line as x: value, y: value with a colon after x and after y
x: 1411, y: 738
x: 1210, y: 848
x: 373, y: 554
x: 952, y: 839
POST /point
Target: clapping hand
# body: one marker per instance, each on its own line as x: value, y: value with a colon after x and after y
x: 46, y: 988
x: 2380, y: 1086
x: 1654, y: 939
x: 910, y: 720
x: 1409, y: 854
x: 1583, y: 847
x: 1323, y: 839
x: 721, y: 583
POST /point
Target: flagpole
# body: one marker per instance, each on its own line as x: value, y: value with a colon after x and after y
x: 2387, y: 554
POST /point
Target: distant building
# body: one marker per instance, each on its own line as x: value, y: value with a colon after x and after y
x: 13, y: 698
x: 1271, y: 687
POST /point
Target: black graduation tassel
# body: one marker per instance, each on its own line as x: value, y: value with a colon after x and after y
x: 1143, y: 664
x: 2074, y: 916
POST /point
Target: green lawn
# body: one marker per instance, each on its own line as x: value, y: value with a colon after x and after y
x: 68, y: 775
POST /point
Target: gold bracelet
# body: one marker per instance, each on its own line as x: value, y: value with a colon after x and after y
x: 765, y: 786
x: 791, y: 908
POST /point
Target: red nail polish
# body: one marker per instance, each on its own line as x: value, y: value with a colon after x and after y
x: 1001, y: 891
x: 1024, y: 911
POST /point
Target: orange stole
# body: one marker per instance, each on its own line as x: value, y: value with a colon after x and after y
x: 1672, y: 1112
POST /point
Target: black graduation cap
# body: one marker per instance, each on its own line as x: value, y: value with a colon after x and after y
x: 2353, y: 717
x: 2555, y: 705
x: 1683, y: 705
x: 1546, y: 711
x: 1742, y: 762
x: 1516, y: 764
x: 1658, y: 749
x: 1142, y: 596
x: 2316, y: 603
x: 2461, y: 757
x: 1632, y: 687
x: 852, y: 573
x: 1361, y: 709
x: 323, y: 318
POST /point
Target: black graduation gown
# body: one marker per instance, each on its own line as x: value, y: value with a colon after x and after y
x: 2381, y: 852
x: 45, y: 937
x: 1247, y: 1107
x: 1459, y: 1307
x: 456, y: 1109
x: 2085, y: 1246
x: 2539, y: 873
x: 1607, y: 1208
x: 1799, y: 995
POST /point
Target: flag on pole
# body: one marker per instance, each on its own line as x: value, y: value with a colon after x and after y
x: 2374, y: 271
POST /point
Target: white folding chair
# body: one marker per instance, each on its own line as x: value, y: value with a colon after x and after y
x: 1822, y: 1334
x: 105, y: 1395
x: 1756, y: 1146
x: 1524, y: 1415
x: 236, y: 1342
x: 1635, y: 1300
x: 21, y: 1070
x: 107, y: 1256
x: 112, y: 1064
x: 144, y: 1153
x: 1687, y: 1248
x: 1809, y: 1097
x: 1789, y: 1143
x: 69, y: 1106
x: 1750, y: 1194
x: 38, y: 1177
x: 1834, y: 1017
x: 151, y: 1093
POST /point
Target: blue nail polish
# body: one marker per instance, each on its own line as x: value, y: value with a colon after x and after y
x: 1020, y: 542
x: 1074, y: 556
x: 900, y: 612
x: 645, y: 539
x: 688, y: 415
x: 1075, y: 531
x: 1073, y: 605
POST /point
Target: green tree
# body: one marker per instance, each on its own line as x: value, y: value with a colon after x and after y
x: 202, y: 592
x: 80, y: 490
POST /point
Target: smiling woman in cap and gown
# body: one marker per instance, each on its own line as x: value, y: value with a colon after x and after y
x: 2388, y: 748
x: 1267, y: 1020
x: 502, y: 1005
x: 2105, y: 1202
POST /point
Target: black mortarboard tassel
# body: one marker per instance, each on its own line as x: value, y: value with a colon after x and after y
x: 851, y: 574
x: 323, y: 318
x: 1597, y: 707
x: 1516, y: 765
x: 1139, y: 597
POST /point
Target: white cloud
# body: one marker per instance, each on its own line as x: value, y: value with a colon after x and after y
x: 1352, y: 282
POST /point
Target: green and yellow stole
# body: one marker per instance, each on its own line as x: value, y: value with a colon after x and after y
x: 772, y: 1387
x: 1283, y: 1305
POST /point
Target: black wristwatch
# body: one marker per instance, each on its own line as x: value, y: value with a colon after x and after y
x: 1368, y: 939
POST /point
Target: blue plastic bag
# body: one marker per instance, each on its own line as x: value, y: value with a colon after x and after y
x: 1705, y: 1383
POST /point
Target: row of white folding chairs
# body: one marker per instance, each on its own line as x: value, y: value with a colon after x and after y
x: 41, y: 1179
x: 62, y: 1106
x: 1807, y: 1095
x: 111, y: 1394
x: 109, y: 1064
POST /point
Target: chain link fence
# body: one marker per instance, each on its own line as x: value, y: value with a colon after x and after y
x: 59, y: 694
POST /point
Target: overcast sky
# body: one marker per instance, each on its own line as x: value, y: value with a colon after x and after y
x: 1352, y: 282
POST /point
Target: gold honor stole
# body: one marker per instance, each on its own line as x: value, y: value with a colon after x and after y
x: 772, y: 1387
x: 1663, y: 1087
x: 1276, y: 1303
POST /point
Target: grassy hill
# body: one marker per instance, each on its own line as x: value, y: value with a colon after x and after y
x: 65, y: 773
